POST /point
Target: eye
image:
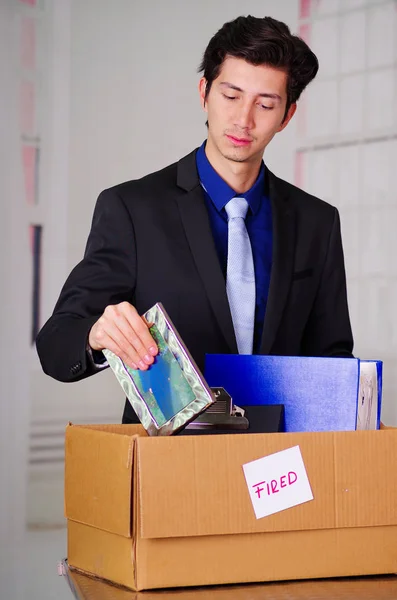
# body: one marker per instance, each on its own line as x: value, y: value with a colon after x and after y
x: 266, y: 107
x: 229, y: 97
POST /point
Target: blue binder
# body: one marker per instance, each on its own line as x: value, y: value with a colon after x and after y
x: 319, y: 394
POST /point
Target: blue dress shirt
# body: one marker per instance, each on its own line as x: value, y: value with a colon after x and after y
x: 259, y: 226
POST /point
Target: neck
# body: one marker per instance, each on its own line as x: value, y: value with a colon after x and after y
x: 240, y: 176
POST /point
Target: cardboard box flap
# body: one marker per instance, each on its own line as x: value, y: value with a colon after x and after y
x: 98, y: 475
x: 194, y: 485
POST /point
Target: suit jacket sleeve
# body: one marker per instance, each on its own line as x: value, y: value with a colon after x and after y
x: 106, y: 275
x: 328, y: 331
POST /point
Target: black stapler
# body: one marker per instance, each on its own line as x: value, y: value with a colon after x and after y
x: 222, y: 414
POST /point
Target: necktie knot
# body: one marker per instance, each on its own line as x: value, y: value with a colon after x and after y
x: 236, y: 208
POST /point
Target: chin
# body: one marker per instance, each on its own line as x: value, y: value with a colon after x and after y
x: 236, y: 157
x: 237, y: 154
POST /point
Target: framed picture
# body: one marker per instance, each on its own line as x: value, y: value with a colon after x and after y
x: 172, y: 391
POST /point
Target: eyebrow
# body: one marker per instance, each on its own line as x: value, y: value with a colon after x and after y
x: 263, y: 95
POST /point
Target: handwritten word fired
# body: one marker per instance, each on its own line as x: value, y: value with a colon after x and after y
x: 275, y: 485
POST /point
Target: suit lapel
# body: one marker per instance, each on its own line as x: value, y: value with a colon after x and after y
x: 282, y: 261
x: 196, y: 222
x: 198, y: 231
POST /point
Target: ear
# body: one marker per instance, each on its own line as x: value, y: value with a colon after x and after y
x: 202, y: 89
x: 288, y: 117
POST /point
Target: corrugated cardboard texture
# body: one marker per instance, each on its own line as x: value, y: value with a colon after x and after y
x: 366, y: 478
x: 195, y: 486
x: 213, y: 560
x: 98, y: 476
x: 104, y: 554
x: 266, y: 557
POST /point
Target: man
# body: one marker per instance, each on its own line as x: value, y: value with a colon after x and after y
x: 241, y: 260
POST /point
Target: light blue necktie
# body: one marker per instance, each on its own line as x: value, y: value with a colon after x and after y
x: 240, y: 275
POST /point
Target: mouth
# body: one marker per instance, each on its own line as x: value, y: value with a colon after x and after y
x: 239, y: 141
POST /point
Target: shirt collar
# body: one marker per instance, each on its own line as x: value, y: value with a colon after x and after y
x: 219, y: 191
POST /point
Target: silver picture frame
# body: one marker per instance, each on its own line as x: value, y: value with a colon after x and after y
x: 173, y: 391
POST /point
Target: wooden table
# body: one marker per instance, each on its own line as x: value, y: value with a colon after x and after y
x: 354, y: 588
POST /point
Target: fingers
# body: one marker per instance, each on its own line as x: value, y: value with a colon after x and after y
x: 111, y: 344
x: 126, y: 334
x: 141, y: 329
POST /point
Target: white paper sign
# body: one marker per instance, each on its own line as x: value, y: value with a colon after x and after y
x: 277, y: 482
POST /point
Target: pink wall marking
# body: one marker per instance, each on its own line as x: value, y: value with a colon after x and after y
x: 28, y: 43
x: 305, y: 9
x: 29, y: 172
x: 305, y: 32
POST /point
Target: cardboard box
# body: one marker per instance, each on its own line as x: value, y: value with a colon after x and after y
x: 150, y: 512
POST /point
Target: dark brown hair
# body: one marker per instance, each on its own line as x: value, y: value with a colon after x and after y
x: 262, y: 41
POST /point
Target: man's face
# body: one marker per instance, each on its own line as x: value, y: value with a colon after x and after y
x: 246, y: 106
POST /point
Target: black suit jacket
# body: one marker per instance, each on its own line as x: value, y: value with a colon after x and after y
x: 151, y: 241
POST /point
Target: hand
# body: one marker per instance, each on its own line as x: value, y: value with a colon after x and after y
x: 125, y: 333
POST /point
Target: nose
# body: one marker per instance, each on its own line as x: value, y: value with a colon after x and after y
x: 244, y: 117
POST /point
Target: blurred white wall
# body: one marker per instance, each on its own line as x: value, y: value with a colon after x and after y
x: 15, y: 278
x: 119, y: 99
